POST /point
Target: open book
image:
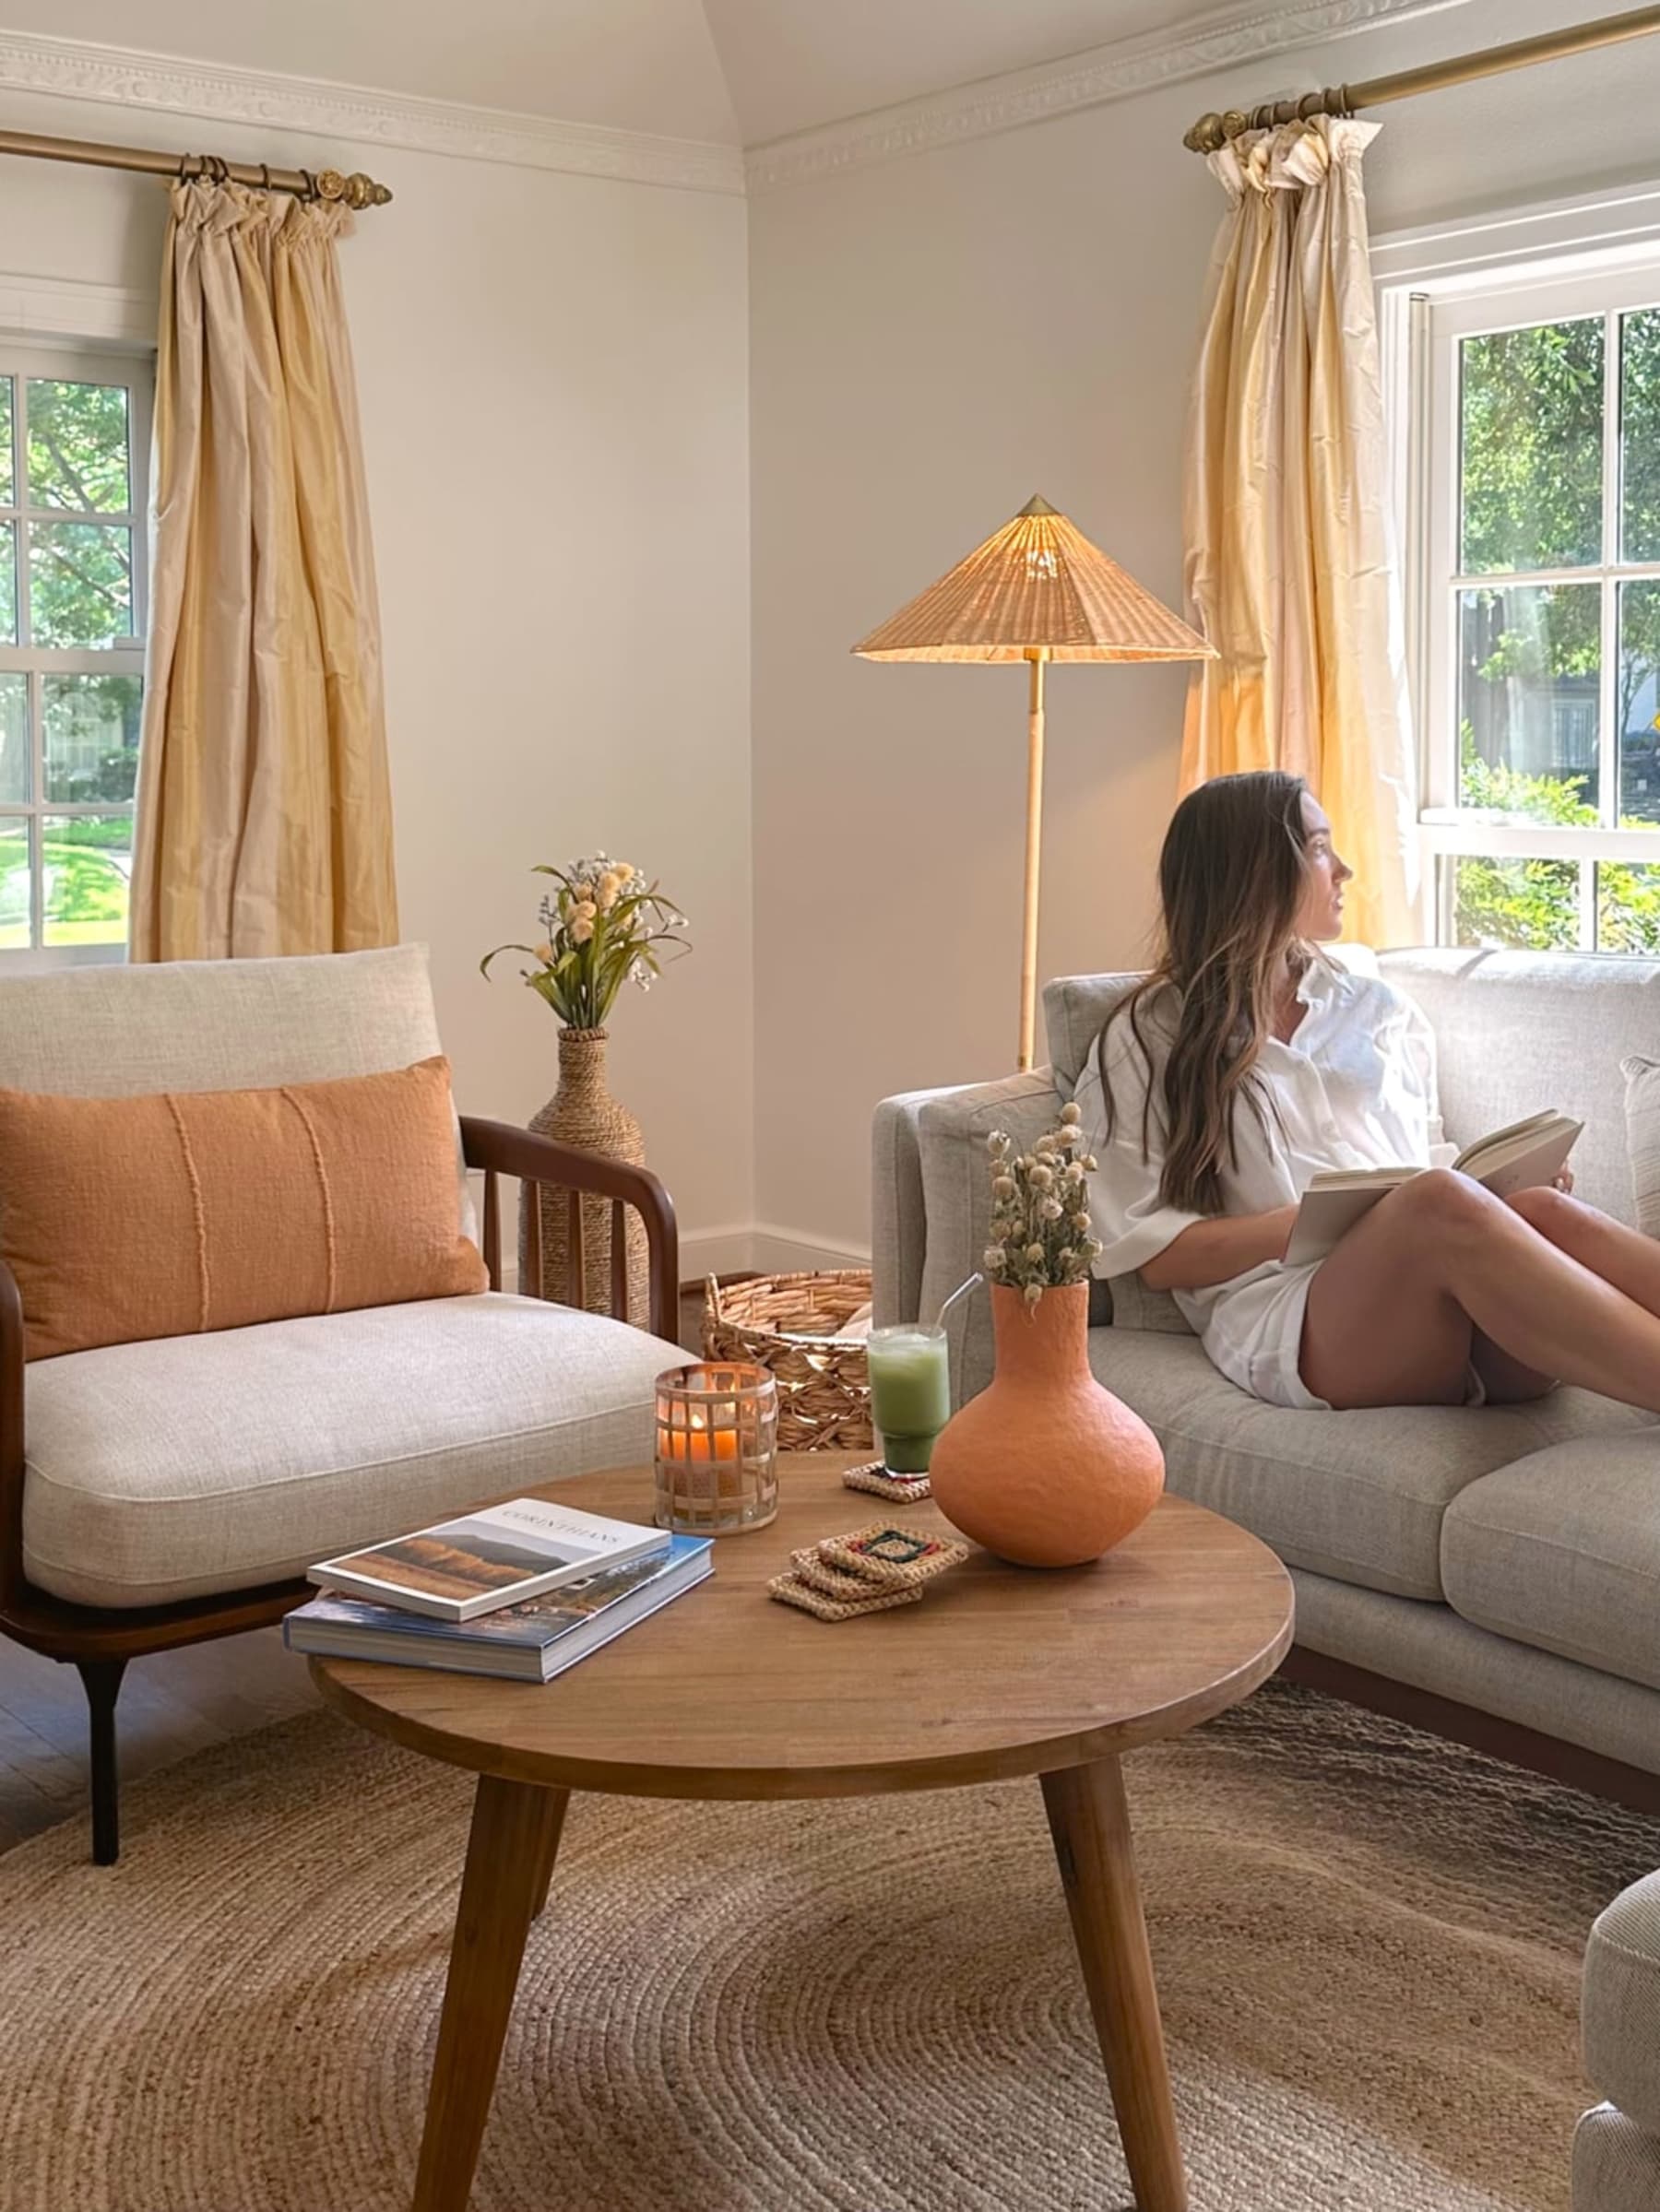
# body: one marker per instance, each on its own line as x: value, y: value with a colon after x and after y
x: 1518, y: 1158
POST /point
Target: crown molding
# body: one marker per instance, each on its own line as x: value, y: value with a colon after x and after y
x: 345, y: 115
x: 1118, y: 71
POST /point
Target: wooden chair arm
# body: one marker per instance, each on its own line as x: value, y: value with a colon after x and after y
x: 500, y: 1149
x: 11, y: 1436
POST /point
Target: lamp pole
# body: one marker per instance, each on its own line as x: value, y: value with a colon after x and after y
x: 1037, y: 660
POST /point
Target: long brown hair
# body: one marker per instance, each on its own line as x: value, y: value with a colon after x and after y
x: 1230, y: 882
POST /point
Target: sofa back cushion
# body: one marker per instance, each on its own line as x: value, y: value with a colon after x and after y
x: 126, y: 1219
x: 221, y: 1025
x: 1516, y: 1031
x: 1075, y: 1011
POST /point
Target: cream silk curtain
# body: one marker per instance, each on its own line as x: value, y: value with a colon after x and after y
x: 264, y: 812
x: 1288, y: 560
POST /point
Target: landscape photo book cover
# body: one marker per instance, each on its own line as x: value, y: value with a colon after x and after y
x: 458, y: 1569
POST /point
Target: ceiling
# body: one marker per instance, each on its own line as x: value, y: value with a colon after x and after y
x: 728, y: 71
x: 791, y: 64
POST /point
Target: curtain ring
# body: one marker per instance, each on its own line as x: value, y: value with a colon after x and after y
x: 311, y: 185
x: 264, y: 175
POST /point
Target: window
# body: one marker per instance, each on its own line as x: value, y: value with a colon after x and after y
x: 73, y: 447
x: 1537, y: 604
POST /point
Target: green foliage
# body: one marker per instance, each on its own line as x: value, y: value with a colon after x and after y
x: 82, y: 890
x: 101, y: 833
x: 1532, y: 463
x: 92, y: 724
x: 78, y: 446
x: 1531, y: 467
x: 80, y: 584
x: 1532, y: 904
x: 603, y: 927
x: 80, y: 569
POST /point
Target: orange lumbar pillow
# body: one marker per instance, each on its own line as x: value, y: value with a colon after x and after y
x: 125, y: 1219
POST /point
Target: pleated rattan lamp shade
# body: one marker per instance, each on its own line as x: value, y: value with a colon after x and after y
x: 1037, y: 590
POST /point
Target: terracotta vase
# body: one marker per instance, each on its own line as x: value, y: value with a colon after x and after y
x: 582, y: 1112
x: 1045, y: 1467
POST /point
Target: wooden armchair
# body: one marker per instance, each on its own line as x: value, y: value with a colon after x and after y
x: 516, y: 1391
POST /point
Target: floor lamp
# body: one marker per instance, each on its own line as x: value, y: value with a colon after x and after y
x: 1038, y: 591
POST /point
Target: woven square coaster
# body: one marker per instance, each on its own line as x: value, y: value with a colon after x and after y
x: 874, y: 1477
x: 894, y: 1558
x: 790, y: 1591
x: 835, y: 1582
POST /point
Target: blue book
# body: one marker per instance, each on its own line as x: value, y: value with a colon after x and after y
x: 528, y: 1642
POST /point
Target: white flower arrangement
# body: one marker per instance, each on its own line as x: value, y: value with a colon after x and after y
x: 602, y: 927
x: 1040, y: 1237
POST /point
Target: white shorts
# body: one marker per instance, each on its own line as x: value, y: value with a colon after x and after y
x: 1254, y: 1336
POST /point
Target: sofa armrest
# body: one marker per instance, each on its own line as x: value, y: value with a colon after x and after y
x: 11, y: 1437
x: 932, y: 1199
x: 500, y: 1149
x: 898, y: 1220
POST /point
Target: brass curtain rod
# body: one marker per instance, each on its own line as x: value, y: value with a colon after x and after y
x: 356, y: 191
x: 1212, y: 132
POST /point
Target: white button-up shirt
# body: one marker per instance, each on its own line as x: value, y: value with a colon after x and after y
x: 1354, y: 1088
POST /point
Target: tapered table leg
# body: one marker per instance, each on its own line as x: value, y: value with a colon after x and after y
x: 1090, y: 1823
x: 509, y: 1860
x: 555, y: 1829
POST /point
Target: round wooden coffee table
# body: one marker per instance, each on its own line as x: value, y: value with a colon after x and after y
x: 998, y: 1671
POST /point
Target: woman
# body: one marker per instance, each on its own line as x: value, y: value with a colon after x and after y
x: 1247, y: 1061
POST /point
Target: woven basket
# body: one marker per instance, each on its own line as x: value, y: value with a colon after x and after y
x: 787, y: 1324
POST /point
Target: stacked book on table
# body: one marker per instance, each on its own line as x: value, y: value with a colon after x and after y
x: 524, y: 1589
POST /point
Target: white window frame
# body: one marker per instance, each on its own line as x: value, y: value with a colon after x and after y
x: 1594, y: 253
x: 72, y: 360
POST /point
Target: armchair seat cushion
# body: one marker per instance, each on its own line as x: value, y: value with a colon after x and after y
x: 192, y: 1466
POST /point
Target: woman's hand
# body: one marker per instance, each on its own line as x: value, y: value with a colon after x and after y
x: 1564, y: 1181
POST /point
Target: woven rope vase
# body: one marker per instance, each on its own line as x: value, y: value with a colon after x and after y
x: 582, y: 1112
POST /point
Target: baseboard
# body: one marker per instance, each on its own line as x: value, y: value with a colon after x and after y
x: 720, y: 1251
x: 762, y: 1249
x: 775, y: 1251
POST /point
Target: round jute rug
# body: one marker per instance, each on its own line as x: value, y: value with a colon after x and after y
x: 1367, y: 1945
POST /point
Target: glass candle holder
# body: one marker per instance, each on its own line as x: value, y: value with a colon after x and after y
x: 717, y: 1447
x: 910, y: 1394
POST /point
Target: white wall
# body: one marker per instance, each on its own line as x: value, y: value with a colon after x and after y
x: 552, y: 378
x: 933, y: 340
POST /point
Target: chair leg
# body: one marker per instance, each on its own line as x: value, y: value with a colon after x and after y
x: 102, y: 1680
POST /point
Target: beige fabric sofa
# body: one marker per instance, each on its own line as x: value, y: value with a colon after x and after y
x: 1617, y: 2146
x: 1490, y: 1572
x: 157, y: 1494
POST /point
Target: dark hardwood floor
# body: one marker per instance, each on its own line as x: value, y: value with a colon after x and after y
x: 171, y: 1706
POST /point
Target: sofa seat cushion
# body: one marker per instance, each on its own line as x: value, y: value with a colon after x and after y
x: 1358, y: 1496
x: 1616, y: 2164
x: 1622, y: 2004
x: 196, y: 1464
x: 1563, y: 1551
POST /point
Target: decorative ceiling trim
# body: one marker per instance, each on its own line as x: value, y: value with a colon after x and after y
x: 66, y: 70
x: 1238, y: 34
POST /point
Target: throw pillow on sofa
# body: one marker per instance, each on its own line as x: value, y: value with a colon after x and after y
x: 1643, y: 1138
x: 126, y: 1219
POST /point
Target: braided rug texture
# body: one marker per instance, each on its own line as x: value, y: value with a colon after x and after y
x: 1367, y: 1945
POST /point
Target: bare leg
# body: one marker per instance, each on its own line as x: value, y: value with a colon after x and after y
x: 1395, y: 1312
x: 1626, y: 1257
